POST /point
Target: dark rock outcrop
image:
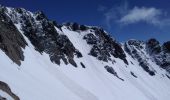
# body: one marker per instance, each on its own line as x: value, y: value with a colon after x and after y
x: 153, y: 46
x: 11, y: 40
x: 112, y: 71
x: 2, y: 98
x: 163, y: 59
x: 75, y: 26
x: 43, y: 35
x: 104, y: 46
x: 159, y: 54
x: 136, y: 49
x: 4, y: 87
x: 166, y: 47
x: 133, y: 74
x: 83, y: 66
x: 168, y: 76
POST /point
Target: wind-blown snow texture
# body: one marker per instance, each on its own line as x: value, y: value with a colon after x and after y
x: 77, y: 62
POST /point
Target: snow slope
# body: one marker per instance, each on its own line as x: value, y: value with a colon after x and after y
x: 39, y: 79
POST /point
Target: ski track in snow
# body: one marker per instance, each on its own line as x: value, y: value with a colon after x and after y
x: 72, y: 86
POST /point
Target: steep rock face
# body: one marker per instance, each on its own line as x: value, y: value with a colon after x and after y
x: 137, y: 49
x: 166, y: 47
x: 149, y: 50
x: 160, y: 54
x: 11, y: 40
x: 43, y: 35
x: 103, y: 45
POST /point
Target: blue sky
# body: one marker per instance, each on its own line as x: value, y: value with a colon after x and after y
x: 123, y: 19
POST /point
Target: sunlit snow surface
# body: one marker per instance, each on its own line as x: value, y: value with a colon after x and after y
x: 39, y: 79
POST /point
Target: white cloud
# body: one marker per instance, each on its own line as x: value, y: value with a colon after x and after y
x: 149, y: 15
x: 123, y: 15
x: 113, y: 14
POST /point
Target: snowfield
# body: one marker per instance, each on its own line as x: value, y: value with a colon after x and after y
x: 40, y: 79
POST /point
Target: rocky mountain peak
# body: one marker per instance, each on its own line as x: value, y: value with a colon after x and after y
x: 153, y: 46
x: 39, y: 15
x: 166, y: 46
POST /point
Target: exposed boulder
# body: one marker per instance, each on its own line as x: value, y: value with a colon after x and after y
x: 83, y: 66
x: 133, y: 74
x: 112, y: 71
